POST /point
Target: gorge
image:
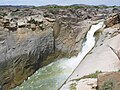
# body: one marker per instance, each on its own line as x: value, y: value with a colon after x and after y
x: 51, y: 48
x: 51, y: 77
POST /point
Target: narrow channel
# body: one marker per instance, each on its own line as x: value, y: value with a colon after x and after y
x: 52, y: 76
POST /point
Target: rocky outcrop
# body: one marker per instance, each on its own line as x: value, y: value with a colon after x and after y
x: 71, y: 36
x: 112, y: 20
x: 109, y: 81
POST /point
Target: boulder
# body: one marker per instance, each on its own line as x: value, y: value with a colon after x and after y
x: 112, y: 20
x: 50, y: 20
x: 35, y: 18
x: 12, y: 26
x: 22, y: 22
x: 109, y: 81
x: 33, y: 26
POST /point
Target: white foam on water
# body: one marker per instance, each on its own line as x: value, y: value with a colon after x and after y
x: 90, y: 40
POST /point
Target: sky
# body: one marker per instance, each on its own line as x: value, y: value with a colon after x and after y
x: 59, y: 2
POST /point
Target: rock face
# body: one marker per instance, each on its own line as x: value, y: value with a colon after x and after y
x: 112, y: 20
x: 109, y: 81
x: 56, y: 28
x: 23, y: 47
x: 71, y: 36
x: 22, y: 53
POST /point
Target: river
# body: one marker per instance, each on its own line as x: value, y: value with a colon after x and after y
x: 52, y: 76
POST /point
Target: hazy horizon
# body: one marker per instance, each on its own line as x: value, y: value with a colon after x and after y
x: 60, y: 2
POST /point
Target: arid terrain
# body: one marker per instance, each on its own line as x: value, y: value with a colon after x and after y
x: 33, y: 37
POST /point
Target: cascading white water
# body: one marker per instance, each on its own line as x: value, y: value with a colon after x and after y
x: 52, y: 76
x: 90, y: 40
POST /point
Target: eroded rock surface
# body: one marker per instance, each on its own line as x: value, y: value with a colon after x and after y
x: 109, y: 81
x: 113, y: 19
x: 29, y: 35
x: 22, y: 52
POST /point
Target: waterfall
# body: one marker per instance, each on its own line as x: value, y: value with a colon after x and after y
x: 52, y: 76
x: 90, y: 40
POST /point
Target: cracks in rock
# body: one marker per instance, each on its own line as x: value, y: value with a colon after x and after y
x: 116, y: 52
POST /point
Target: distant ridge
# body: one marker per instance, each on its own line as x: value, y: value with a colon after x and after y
x: 80, y: 5
x: 30, y: 6
x: 17, y: 6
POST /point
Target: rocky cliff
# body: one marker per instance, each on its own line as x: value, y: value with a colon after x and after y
x: 31, y: 36
x: 21, y: 53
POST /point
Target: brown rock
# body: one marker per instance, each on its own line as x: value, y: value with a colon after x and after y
x: 109, y: 81
x: 112, y: 20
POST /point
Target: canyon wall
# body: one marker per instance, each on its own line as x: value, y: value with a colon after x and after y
x: 30, y: 37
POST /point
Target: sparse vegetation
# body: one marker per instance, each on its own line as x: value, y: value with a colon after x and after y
x: 34, y: 7
x: 94, y: 75
x: 54, y: 11
x: 32, y: 21
x: 74, y: 6
x: 119, y: 70
x: 3, y: 14
x: 73, y: 86
x: 107, y: 86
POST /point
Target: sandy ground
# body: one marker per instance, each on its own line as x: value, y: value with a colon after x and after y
x: 101, y: 58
